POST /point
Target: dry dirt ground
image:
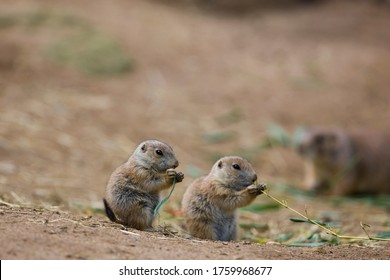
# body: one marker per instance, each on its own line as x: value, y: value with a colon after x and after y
x: 208, y: 81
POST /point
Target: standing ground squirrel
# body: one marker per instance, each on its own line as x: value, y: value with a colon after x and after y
x: 133, y: 189
x: 341, y: 162
x: 210, y: 202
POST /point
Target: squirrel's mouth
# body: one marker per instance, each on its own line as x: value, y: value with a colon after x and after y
x: 160, y: 171
x: 241, y: 186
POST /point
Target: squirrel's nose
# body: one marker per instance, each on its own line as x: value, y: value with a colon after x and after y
x: 254, y: 179
x: 176, y: 164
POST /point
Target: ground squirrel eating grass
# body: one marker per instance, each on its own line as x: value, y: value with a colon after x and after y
x: 342, y: 162
x: 133, y: 189
x: 210, y: 202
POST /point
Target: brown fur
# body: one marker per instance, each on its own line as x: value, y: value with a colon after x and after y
x: 133, y: 189
x: 343, y: 162
x: 210, y: 202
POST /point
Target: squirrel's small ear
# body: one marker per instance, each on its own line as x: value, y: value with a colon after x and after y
x: 220, y: 164
x: 143, y: 148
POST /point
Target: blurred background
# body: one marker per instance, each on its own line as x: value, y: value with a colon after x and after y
x: 83, y: 82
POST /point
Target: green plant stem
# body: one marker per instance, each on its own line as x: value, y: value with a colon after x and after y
x: 284, y: 203
x: 161, y: 203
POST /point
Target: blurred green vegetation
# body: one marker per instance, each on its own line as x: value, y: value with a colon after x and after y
x: 258, y: 208
x: 76, y: 42
x: 218, y: 137
x: 382, y: 201
x: 91, y: 53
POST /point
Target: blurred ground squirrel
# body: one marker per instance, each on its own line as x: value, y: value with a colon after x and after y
x: 341, y: 162
x: 133, y: 189
x: 210, y: 202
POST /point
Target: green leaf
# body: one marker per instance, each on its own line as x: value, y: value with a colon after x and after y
x: 233, y: 116
x: 254, y: 225
x: 387, y: 224
x: 278, y: 136
x: 381, y: 201
x: 385, y: 234
x: 218, y: 137
x: 284, y: 237
x: 194, y: 171
x: 301, y: 220
x: 261, y: 207
x: 298, y: 135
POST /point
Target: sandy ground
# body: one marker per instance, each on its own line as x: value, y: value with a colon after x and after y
x: 209, y: 82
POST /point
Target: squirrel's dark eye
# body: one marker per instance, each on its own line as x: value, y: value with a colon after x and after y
x: 159, y: 152
x: 236, y: 166
x: 319, y: 139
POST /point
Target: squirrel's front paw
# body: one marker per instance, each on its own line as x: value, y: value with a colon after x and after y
x: 179, y: 177
x: 257, y: 189
x: 171, y: 173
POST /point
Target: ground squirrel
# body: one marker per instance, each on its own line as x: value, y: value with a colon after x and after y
x: 341, y: 162
x: 133, y: 189
x: 210, y: 202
